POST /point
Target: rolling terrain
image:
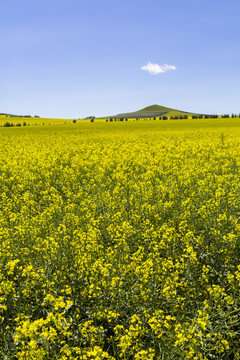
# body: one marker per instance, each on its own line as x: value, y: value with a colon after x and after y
x: 153, y: 111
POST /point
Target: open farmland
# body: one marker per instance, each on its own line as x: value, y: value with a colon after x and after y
x: 120, y: 240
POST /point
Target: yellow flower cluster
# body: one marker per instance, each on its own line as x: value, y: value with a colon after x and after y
x: 120, y: 241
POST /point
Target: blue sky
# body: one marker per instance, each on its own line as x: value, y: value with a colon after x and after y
x: 74, y: 58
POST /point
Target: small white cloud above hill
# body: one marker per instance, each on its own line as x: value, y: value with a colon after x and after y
x: 155, y: 69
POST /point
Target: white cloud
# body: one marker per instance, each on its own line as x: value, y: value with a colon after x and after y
x: 157, y: 69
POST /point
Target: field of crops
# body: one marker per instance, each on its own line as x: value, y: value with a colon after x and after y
x: 120, y: 240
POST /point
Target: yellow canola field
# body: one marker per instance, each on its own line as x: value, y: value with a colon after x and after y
x: 120, y: 241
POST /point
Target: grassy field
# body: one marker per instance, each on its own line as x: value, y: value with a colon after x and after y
x: 120, y: 240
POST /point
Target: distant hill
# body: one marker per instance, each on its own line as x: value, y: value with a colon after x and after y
x: 152, y: 111
x: 11, y: 115
x: 156, y: 108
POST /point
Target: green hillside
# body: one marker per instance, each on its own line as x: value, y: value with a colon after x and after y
x: 152, y: 111
x: 156, y: 108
